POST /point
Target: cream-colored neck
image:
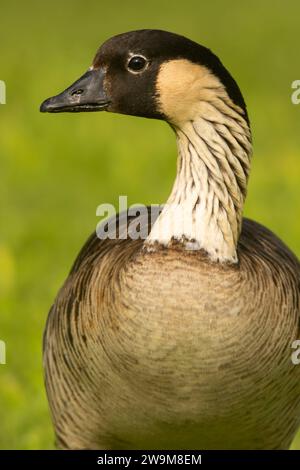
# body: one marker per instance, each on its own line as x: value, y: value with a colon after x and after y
x: 204, y: 210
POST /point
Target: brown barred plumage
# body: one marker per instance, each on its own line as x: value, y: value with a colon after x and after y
x: 169, y: 350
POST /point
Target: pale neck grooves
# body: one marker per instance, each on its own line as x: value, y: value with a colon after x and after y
x: 204, y: 209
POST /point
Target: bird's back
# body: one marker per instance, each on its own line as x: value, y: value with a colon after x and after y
x: 166, y: 349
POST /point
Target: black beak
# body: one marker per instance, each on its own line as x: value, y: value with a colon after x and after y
x: 86, y: 94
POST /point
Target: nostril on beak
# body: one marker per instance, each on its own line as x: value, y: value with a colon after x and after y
x: 77, y: 92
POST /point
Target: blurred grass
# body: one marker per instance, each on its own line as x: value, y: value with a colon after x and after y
x: 56, y: 169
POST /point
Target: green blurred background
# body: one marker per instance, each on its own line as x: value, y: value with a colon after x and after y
x: 56, y: 169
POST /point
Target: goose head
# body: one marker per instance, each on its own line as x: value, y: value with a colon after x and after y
x: 148, y: 73
x: 161, y: 75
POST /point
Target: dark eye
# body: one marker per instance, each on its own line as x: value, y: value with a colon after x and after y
x: 137, y: 63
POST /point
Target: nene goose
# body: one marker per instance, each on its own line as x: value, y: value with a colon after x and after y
x: 152, y: 344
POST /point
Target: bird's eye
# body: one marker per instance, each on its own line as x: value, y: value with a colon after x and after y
x: 137, y: 63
